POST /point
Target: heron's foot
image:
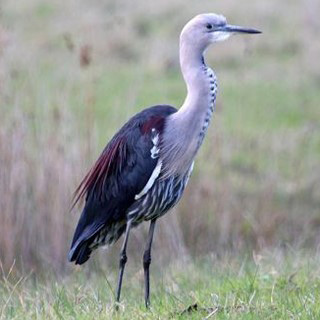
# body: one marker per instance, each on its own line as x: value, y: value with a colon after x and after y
x: 117, y: 306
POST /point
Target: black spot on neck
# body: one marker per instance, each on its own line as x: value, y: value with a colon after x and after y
x: 202, y: 61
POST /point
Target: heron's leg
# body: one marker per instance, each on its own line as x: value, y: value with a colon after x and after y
x: 147, y: 262
x: 123, y: 259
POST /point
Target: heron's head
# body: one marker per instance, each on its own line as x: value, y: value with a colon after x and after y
x: 205, y: 29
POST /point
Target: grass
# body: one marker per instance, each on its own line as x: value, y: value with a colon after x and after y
x: 71, y: 73
x: 269, y: 286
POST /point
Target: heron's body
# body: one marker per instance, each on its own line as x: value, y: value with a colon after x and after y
x: 133, y: 190
x: 144, y: 190
x: 144, y: 169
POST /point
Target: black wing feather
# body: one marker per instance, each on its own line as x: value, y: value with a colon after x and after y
x: 120, y: 173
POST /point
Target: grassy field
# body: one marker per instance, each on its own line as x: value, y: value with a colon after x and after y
x: 268, y: 286
x: 71, y: 73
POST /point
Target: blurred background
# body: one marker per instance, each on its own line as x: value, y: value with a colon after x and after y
x: 72, y: 72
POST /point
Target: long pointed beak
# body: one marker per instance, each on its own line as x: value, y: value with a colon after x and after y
x: 231, y: 28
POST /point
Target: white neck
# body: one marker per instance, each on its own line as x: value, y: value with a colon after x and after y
x: 195, y: 75
x: 186, y: 128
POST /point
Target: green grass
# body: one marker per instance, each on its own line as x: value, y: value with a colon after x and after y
x: 255, y: 182
x: 272, y: 286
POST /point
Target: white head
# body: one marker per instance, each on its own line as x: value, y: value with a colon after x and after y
x: 205, y: 29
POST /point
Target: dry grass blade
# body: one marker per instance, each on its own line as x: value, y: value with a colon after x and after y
x: 212, y: 313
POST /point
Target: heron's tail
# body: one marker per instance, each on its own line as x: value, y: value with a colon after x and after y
x: 83, y: 238
x: 80, y: 253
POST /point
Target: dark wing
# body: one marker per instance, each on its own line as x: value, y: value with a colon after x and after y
x: 120, y: 173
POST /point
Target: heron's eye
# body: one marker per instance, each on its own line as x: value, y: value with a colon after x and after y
x: 209, y: 26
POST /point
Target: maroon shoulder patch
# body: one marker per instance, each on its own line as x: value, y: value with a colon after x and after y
x: 156, y: 122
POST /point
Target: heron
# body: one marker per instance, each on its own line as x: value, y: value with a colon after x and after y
x: 144, y: 169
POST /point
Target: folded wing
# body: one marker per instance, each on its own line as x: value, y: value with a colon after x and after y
x: 120, y: 173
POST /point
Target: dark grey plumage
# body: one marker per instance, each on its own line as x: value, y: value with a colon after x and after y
x: 119, y: 175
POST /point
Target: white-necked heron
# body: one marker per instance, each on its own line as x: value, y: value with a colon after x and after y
x: 144, y: 169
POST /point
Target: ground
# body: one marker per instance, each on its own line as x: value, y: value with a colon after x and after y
x: 269, y: 286
x: 243, y: 243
